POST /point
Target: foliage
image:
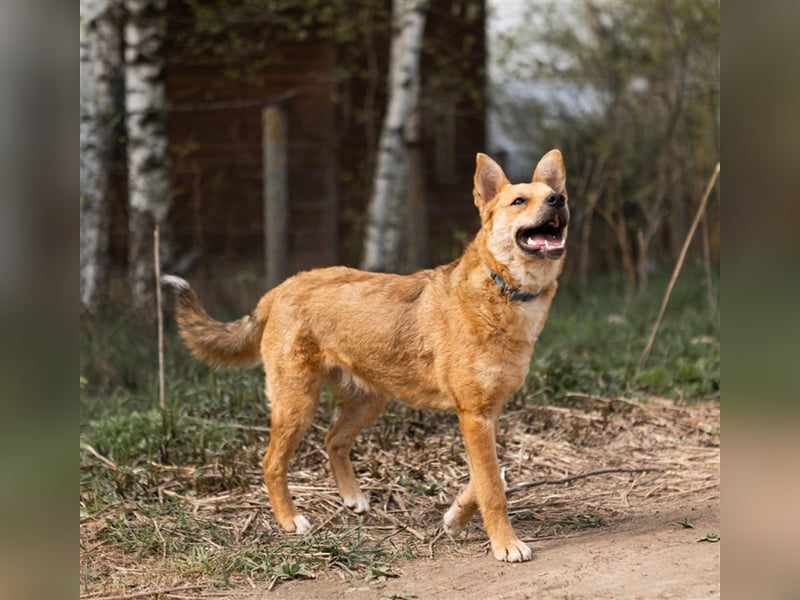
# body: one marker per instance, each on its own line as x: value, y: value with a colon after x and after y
x: 248, y: 37
x: 591, y: 345
x: 630, y: 92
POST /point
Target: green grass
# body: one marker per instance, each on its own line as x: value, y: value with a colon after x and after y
x: 591, y: 346
x: 211, y: 439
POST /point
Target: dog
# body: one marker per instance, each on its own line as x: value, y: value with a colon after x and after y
x: 458, y: 337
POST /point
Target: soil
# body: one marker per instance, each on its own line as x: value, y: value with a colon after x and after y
x: 649, y: 547
x: 649, y: 555
x: 613, y: 496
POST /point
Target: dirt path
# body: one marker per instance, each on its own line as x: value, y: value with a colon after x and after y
x: 613, y: 532
x: 642, y: 550
x: 647, y: 555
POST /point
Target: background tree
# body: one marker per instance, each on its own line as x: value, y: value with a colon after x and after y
x: 101, y: 69
x: 630, y: 90
x: 384, y: 226
x: 148, y: 159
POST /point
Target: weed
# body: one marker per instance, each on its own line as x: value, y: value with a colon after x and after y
x: 588, y: 346
x: 415, y: 487
x: 289, y: 571
x: 587, y: 521
x: 380, y: 573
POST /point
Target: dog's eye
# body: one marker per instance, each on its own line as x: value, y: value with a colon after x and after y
x: 518, y: 201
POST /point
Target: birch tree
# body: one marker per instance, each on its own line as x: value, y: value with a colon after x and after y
x: 148, y: 161
x: 101, y: 67
x: 384, y: 225
x: 412, y: 191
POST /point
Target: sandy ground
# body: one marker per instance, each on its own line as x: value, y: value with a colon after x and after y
x: 655, y: 465
x: 648, y: 555
x: 643, y: 551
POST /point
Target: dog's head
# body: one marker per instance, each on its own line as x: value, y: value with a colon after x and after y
x: 525, y: 223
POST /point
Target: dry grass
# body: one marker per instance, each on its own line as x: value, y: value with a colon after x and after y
x: 165, y: 542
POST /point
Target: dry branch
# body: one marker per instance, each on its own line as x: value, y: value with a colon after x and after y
x: 530, y: 484
x: 160, y: 316
x: 145, y: 594
x: 678, y: 266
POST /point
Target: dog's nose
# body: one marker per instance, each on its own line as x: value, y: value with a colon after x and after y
x: 555, y: 200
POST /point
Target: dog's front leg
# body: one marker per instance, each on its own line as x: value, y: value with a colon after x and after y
x: 485, y: 481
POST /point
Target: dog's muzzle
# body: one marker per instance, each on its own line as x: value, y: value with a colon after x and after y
x: 547, y: 239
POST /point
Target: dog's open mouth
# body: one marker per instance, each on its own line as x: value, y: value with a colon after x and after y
x: 545, y: 240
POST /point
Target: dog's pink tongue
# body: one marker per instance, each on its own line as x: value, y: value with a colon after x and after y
x: 545, y: 242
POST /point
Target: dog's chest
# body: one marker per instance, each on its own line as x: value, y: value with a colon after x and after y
x: 502, y: 362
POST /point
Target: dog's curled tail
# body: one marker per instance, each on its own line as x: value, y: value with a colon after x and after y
x: 223, y: 345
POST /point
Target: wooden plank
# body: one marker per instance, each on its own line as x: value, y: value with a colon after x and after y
x: 276, y: 193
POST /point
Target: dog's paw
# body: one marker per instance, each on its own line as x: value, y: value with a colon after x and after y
x: 301, y: 525
x: 514, y: 551
x: 359, y: 504
x: 452, y: 525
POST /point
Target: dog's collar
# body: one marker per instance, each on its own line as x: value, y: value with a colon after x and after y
x: 513, y: 293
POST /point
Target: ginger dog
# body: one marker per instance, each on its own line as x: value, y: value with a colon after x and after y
x: 458, y: 337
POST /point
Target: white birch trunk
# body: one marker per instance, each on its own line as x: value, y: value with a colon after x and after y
x: 384, y: 226
x: 101, y: 66
x: 415, y: 226
x: 148, y: 160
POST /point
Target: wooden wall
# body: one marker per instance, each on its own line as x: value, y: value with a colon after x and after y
x: 215, y: 134
x: 214, y: 126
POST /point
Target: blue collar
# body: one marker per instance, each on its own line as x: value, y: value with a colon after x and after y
x: 513, y: 293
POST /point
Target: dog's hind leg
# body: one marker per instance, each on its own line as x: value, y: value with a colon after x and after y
x: 357, y: 411
x: 461, y: 511
x: 294, y: 402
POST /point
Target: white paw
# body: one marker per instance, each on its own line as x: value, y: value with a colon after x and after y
x: 516, y: 551
x: 451, y: 525
x: 359, y: 504
x: 301, y: 524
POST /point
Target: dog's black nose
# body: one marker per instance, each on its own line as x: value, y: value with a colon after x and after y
x: 555, y: 200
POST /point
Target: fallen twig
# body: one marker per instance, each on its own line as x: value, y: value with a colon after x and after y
x: 145, y: 594
x: 106, y: 461
x: 530, y: 484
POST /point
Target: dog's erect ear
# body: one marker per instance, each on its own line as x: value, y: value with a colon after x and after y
x: 489, y: 179
x: 550, y: 170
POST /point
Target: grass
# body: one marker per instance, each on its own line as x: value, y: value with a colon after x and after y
x: 592, y: 345
x: 141, y: 470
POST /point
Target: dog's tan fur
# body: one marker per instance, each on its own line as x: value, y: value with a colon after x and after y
x: 449, y: 338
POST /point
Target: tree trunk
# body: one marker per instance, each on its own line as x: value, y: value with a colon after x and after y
x: 415, y: 230
x: 585, y: 237
x: 148, y: 160
x: 101, y: 69
x: 384, y: 226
